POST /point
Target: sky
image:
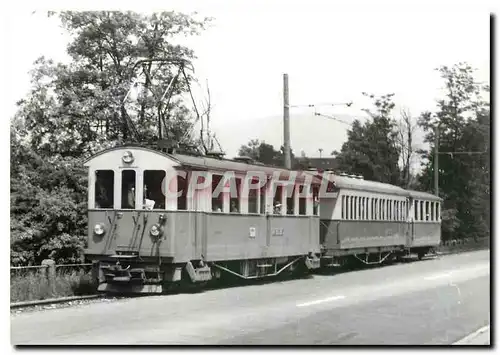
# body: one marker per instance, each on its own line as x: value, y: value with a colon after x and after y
x: 332, y: 51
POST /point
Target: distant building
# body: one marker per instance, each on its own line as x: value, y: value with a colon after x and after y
x: 316, y: 163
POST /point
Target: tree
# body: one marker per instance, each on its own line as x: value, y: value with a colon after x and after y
x: 48, y: 206
x: 371, y: 149
x: 75, y: 109
x: 464, y: 144
x: 79, y: 107
x: 265, y: 153
x: 405, y: 139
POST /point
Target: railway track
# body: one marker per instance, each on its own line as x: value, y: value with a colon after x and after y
x: 76, y: 300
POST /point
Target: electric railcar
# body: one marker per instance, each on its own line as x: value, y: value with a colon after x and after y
x: 142, y: 238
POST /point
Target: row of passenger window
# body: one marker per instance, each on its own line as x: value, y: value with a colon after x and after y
x: 372, y: 208
x: 380, y: 209
x: 254, y: 202
x: 426, y: 210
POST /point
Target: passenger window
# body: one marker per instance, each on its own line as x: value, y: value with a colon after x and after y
x: 432, y: 211
x: 290, y: 199
x: 128, y: 189
x: 182, y: 188
x: 438, y: 211
x: 415, y: 210
x: 315, y: 193
x: 253, y: 203
x: 302, y: 201
x: 362, y: 207
x: 343, y: 207
x: 355, y: 207
x: 421, y: 210
x: 217, y: 201
x: 104, y: 188
x: 427, y: 217
x: 235, y: 201
x: 277, y: 206
x: 153, y: 180
x: 351, y: 207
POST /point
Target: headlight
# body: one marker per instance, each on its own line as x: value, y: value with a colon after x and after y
x: 155, y: 230
x: 99, y: 229
x: 128, y: 157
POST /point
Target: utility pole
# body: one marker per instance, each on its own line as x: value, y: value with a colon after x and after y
x: 436, y: 160
x: 286, y: 122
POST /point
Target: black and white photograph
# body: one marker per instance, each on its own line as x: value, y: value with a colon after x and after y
x: 250, y: 173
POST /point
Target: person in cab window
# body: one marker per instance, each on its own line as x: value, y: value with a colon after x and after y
x: 315, y: 205
x: 102, y: 198
x: 234, y: 208
x: 277, y: 208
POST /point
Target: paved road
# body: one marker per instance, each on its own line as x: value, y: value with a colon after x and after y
x: 438, y: 301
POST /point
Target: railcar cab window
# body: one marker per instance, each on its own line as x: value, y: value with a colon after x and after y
x: 104, y: 188
x: 217, y: 200
x: 128, y: 189
x: 153, y: 180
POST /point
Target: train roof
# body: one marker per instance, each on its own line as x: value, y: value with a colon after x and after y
x: 345, y: 182
x: 210, y: 163
x: 423, y: 195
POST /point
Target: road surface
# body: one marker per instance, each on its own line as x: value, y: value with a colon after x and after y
x: 436, y: 301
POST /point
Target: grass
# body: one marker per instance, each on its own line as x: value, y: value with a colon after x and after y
x: 32, y: 284
x: 454, y: 246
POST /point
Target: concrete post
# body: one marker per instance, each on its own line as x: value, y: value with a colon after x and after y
x: 50, y: 267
